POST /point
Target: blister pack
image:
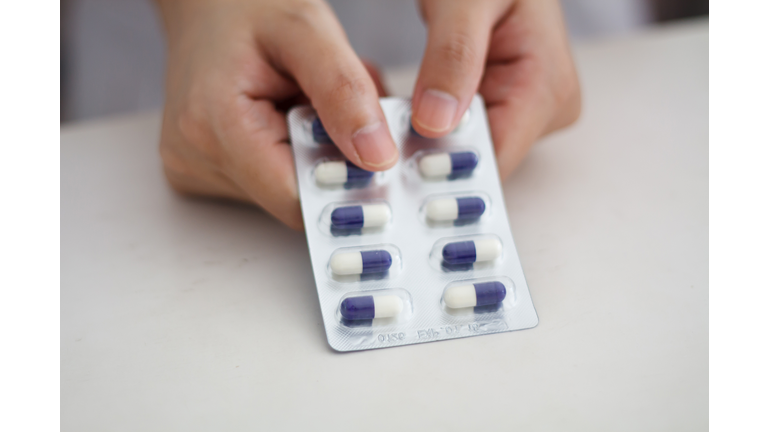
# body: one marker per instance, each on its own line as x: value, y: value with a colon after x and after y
x: 418, y: 253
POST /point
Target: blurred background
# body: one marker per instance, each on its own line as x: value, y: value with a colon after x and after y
x: 112, y: 51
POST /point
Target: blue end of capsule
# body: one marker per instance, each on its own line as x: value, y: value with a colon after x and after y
x: 490, y: 293
x: 470, y: 208
x: 350, y: 217
x: 357, y: 176
x: 356, y: 323
x: 376, y: 261
x: 319, y: 134
x: 343, y: 232
x: 487, y: 308
x: 463, y: 163
x: 358, y: 308
x: 413, y: 131
x: 459, y: 253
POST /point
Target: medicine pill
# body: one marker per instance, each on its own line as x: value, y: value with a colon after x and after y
x: 319, y: 134
x: 361, y: 216
x: 450, y: 209
x: 453, y: 164
x: 371, y: 307
x: 354, y: 263
x: 341, y: 172
x: 472, y: 251
x: 479, y: 294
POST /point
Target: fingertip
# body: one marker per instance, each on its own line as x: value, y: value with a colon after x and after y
x: 375, y: 147
x: 435, y: 113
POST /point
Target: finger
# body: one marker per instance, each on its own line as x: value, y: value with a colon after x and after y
x: 528, y: 94
x: 453, y: 63
x: 519, y: 118
x: 317, y: 54
x: 302, y: 99
x: 258, y: 158
x: 518, y: 121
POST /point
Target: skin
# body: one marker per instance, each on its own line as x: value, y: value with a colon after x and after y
x: 236, y: 66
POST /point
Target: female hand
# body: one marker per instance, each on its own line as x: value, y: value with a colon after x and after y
x: 515, y: 53
x: 232, y: 66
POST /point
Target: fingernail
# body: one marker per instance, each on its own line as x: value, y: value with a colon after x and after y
x: 436, y: 110
x: 374, y: 145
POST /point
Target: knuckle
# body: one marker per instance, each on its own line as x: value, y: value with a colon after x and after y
x: 568, y: 99
x: 303, y: 13
x: 459, y: 51
x: 190, y: 124
x: 195, y: 133
x: 173, y: 162
x: 175, y: 180
x: 348, y: 87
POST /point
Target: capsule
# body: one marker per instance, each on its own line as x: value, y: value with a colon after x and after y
x: 479, y: 294
x: 472, y: 251
x: 354, y: 263
x: 319, y: 134
x: 455, y: 164
x: 332, y: 173
x: 451, y: 209
x: 361, y: 216
x: 371, y: 307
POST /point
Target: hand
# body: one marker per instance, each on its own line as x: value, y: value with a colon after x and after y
x: 232, y: 66
x: 515, y: 52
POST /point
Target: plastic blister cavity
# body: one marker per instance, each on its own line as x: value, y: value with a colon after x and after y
x: 365, y: 263
x: 355, y: 218
x: 339, y: 173
x: 467, y: 253
x: 445, y: 164
x: 386, y: 248
x: 478, y: 298
x: 455, y: 209
x: 378, y: 308
x: 319, y: 135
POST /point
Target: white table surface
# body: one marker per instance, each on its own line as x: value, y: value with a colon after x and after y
x: 181, y: 314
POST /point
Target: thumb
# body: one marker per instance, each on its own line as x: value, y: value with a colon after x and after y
x: 457, y: 44
x: 316, y: 52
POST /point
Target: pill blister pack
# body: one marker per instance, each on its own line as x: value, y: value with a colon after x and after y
x: 418, y: 253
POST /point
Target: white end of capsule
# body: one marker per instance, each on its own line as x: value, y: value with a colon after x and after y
x: 446, y: 209
x: 463, y: 122
x: 376, y: 215
x: 331, y: 173
x: 460, y: 297
x: 387, y: 306
x: 487, y: 249
x: 347, y: 263
x: 435, y: 165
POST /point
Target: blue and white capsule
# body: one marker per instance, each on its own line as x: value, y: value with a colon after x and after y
x: 455, y: 209
x: 335, y: 173
x: 445, y: 164
x: 319, y: 134
x: 472, y: 251
x: 361, y: 216
x: 365, y: 262
x: 479, y: 294
x: 371, y: 307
